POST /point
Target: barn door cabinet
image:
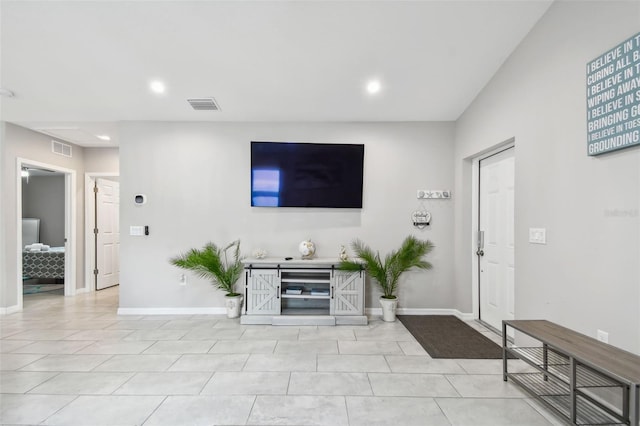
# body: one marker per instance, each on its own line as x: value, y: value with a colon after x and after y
x: 302, y: 292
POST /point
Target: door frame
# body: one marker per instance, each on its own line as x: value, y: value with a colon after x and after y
x: 70, y: 221
x: 89, y: 216
x: 475, y: 216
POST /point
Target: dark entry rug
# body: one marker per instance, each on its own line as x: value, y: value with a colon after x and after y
x: 445, y: 336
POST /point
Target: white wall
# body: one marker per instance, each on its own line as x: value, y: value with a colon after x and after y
x: 17, y: 142
x: 43, y: 198
x: 587, y: 276
x: 196, y: 177
x: 3, y: 205
x: 101, y: 160
x: 23, y: 143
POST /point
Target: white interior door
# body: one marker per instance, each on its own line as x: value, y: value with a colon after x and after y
x: 107, y: 234
x: 496, y: 246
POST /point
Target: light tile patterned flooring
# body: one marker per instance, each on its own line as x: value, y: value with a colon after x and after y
x: 73, y: 361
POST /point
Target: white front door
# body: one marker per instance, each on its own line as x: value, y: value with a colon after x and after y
x: 108, y: 233
x: 496, y: 254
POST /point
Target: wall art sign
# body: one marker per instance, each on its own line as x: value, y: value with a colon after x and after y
x: 613, y: 98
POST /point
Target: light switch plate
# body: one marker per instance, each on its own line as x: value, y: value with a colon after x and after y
x: 538, y: 235
x: 136, y: 231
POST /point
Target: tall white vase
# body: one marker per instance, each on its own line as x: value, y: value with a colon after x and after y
x: 388, y: 309
x: 234, y: 306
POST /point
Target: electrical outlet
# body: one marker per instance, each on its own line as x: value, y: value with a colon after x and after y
x: 182, y: 280
x: 603, y: 336
x: 538, y: 235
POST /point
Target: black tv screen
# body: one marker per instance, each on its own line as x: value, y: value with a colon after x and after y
x: 287, y: 174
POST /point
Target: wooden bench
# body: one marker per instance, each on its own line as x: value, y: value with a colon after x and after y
x: 571, y: 372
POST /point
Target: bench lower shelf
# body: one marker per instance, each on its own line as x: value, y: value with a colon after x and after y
x: 556, y: 396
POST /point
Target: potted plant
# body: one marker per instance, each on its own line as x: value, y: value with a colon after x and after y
x: 387, y: 272
x: 215, y: 264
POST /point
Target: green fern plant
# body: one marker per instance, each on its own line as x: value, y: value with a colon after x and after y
x: 214, y: 263
x: 387, y: 272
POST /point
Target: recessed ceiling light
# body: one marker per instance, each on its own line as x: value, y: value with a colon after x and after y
x: 104, y: 137
x: 373, y: 86
x: 157, y: 86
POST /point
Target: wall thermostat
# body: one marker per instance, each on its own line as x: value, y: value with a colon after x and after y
x: 139, y: 199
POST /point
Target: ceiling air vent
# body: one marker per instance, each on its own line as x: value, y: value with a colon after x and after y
x: 61, y: 148
x: 204, y: 104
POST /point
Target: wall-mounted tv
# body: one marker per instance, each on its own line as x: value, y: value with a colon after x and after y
x: 288, y: 174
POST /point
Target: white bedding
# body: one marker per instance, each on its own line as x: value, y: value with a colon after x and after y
x: 38, y: 247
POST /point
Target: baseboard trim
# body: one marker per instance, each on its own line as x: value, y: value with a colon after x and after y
x: 172, y: 311
x: 223, y: 311
x: 465, y: 316
x: 10, y: 310
x: 424, y: 311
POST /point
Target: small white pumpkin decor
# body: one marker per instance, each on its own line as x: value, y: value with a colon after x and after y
x: 343, y: 253
x: 259, y: 253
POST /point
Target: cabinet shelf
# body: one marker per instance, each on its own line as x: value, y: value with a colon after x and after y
x: 306, y: 280
x: 305, y: 311
x: 305, y: 296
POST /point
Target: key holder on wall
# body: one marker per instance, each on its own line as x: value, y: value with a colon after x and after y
x: 422, y: 218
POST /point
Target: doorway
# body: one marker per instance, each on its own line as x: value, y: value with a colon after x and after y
x: 495, y: 242
x: 102, y: 228
x: 63, y: 244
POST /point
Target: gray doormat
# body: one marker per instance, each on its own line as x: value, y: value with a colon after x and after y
x: 445, y: 336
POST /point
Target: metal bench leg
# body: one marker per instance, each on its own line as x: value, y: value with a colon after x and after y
x: 572, y: 389
x: 634, y: 397
x: 504, y: 351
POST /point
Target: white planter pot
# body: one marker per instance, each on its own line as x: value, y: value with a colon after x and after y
x: 388, y: 309
x: 234, y: 305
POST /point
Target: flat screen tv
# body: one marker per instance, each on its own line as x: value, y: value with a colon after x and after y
x: 288, y: 174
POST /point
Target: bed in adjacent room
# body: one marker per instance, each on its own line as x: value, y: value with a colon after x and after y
x: 48, y: 263
x: 39, y: 260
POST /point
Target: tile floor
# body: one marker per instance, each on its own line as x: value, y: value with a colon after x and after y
x: 73, y: 361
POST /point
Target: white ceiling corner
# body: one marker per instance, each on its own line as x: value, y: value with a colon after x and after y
x: 78, y: 68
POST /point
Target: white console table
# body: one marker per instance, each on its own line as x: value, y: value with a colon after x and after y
x: 302, y: 292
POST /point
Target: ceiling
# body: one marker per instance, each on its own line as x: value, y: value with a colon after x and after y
x: 39, y: 172
x: 77, y: 68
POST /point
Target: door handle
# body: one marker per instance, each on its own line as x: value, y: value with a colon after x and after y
x: 480, y: 242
